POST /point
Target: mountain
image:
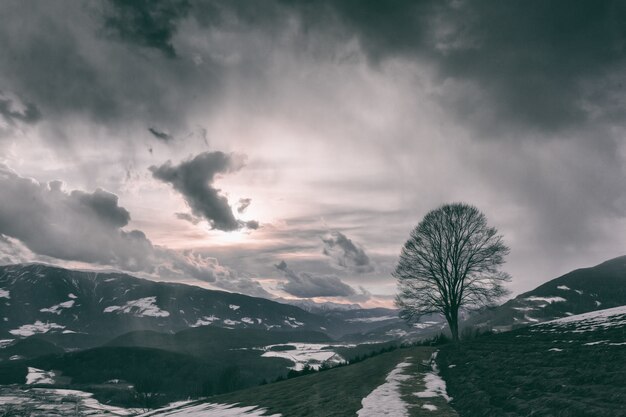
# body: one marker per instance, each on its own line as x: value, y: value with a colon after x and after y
x: 81, y: 309
x: 580, y: 291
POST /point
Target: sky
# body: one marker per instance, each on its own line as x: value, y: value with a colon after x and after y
x: 286, y: 148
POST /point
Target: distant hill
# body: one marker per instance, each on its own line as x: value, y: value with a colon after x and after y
x: 66, y: 305
x: 580, y: 291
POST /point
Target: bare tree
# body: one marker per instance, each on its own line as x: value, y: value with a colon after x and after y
x: 451, y: 261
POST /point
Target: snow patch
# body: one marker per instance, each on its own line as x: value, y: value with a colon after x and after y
x: 234, y: 307
x: 435, y: 385
x: 229, y: 322
x: 385, y: 400
x: 587, y: 322
x: 302, y: 354
x: 429, y: 407
x: 5, y: 293
x: 548, y: 300
x: 205, y: 321
x: 39, y: 376
x: 563, y: 287
x: 57, y: 309
x: 599, y: 342
x: 143, y: 307
x: 210, y: 410
x: 5, y: 342
x: 371, y: 319
x: 72, y: 296
x: 37, y: 327
x: 555, y: 350
x: 247, y: 320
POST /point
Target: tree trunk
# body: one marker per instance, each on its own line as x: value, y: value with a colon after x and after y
x: 453, y: 323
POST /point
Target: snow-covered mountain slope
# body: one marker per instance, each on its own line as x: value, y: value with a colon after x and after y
x: 37, y: 299
x: 580, y: 291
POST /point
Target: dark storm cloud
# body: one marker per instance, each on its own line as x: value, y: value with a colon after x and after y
x: 346, y: 253
x: 193, y: 179
x: 57, y: 55
x: 160, y: 135
x: 243, y: 204
x: 150, y: 24
x: 540, y: 65
x: 305, y: 285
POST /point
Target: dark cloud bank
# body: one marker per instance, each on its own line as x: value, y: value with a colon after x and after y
x: 306, y: 285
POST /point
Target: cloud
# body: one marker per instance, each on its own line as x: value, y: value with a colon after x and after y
x: 346, y: 253
x: 188, y: 217
x: 88, y: 227
x: 193, y: 179
x: 536, y: 66
x: 13, y: 110
x: 160, y: 135
x: 149, y: 24
x: 243, y: 205
x: 305, y: 285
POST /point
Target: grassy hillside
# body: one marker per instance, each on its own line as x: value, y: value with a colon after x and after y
x: 334, y: 392
x: 574, y: 366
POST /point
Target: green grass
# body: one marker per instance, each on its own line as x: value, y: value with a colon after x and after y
x: 515, y: 374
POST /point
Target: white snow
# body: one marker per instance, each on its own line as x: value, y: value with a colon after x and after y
x: 16, y: 357
x: 555, y: 350
x: 58, y: 308
x: 548, y: 300
x: 5, y: 293
x: 528, y: 318
x: 599, y: 342
x: 37, y: 327
x: 524, y: 308
x: 143, y: 307
x: 312, y: 354
x: 247, y: 320
x: 205, y: 321
x: 385, y: 400
x: 5, y: 342
x: 396, y: 333
x: 430, y: 407
x: 563, y: 287
x: 210, y: 410
x: 435, y: 385
x: 72, y: 296
x: 39, y: 376
x: 230, y: 322
x: 371, y: 319
x: 594, y: 320
x: 234, y: 307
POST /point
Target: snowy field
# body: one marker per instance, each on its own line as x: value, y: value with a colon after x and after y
x: 302, y: 354
x: 56, y: 402
x: 587, y: 322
